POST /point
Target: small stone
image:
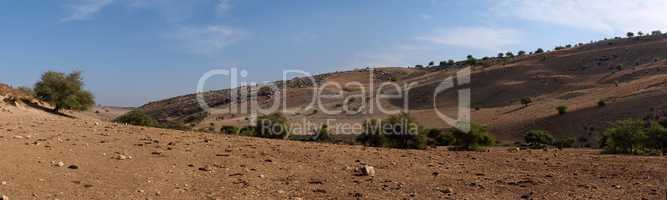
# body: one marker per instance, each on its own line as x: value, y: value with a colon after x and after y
x: 59, y: 164
x: 3, y: 183
x: 366, y: 170
x: 3, y: 197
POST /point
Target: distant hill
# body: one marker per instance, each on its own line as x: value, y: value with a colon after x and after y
x: 627, y: 74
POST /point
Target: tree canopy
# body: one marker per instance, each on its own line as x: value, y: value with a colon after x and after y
x: 64, y: 91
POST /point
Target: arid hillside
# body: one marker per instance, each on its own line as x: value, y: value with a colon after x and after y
x: 626, y: 75
x: 49, y: 156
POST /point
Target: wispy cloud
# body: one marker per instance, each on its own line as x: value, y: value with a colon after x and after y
x: 207, y: 39
x: 481, y: 38
x: 609, y: 16
x: 85, y: 9
x: 223, y: 6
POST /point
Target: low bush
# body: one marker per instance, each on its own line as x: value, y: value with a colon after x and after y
x: 602, y: 103
x: 398, y: 131
x: 437, y: 137
x: 475, y: 139
x: 272, y: 126
x: 323, y: 135
x: 562, y: 110
x: 564, y: 143
x: 229, y: 130
x: 137, y: 118
x: 538, y: 138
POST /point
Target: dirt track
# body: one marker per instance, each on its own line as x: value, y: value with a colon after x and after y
x: 167, y: 164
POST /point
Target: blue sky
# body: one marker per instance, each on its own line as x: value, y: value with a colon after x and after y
x: 135, y: 51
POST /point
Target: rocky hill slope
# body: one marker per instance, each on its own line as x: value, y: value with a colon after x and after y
x: 627, y: 75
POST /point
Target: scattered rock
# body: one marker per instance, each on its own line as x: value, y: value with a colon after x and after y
x: 3, y: 197
x: 366, y: 170
x: 206, y: 168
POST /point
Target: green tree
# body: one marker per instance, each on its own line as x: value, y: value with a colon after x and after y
x: 539, y: 50
x: 626, y: 137
x: 630, y: 34
x: 272, y: 126
x: 538, y: 138
x: 398, y: 131
x: 474, y: 139
x: 64, y: 91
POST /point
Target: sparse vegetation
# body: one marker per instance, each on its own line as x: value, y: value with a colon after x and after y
x: 64, y: 91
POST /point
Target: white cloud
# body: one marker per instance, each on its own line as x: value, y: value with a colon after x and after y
x: 607, y: 16
x: 481, y: 38
x: 223, y: 6
x: 207, y: 39
x: 85, y: 9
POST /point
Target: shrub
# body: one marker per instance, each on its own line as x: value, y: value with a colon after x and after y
x: 323, y: 135
x: 272, y: 126
x: 229, y: 130
x: 526, y: 101
x: 539, y: 50
x: 137, y: 118
x: 625, y: 137
x: 656, y: 138
x: 602, y: 103
x: 398, y: 131
x: 475, y: 139
x: 437, y: 138
x: 247, y: 131
x: 561, y: 110
x: 564, y: 143
x: 64, y: 91
x: 538, y: 138
x: 630, y: 34
x: 521, y: 53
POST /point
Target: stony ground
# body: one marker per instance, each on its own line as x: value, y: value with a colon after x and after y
x: 48, y: 157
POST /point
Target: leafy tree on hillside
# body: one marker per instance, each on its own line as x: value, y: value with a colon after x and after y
x: 539, y: 50
x: 64, y: 91
x: 509, y: 54
x: 521, y: 53
x: 630, y: 34
x: 501, y: 55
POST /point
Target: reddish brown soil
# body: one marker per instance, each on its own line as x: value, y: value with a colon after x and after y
x: 168, y: 164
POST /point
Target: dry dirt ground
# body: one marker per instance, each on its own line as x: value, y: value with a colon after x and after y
x: 52, y: 157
